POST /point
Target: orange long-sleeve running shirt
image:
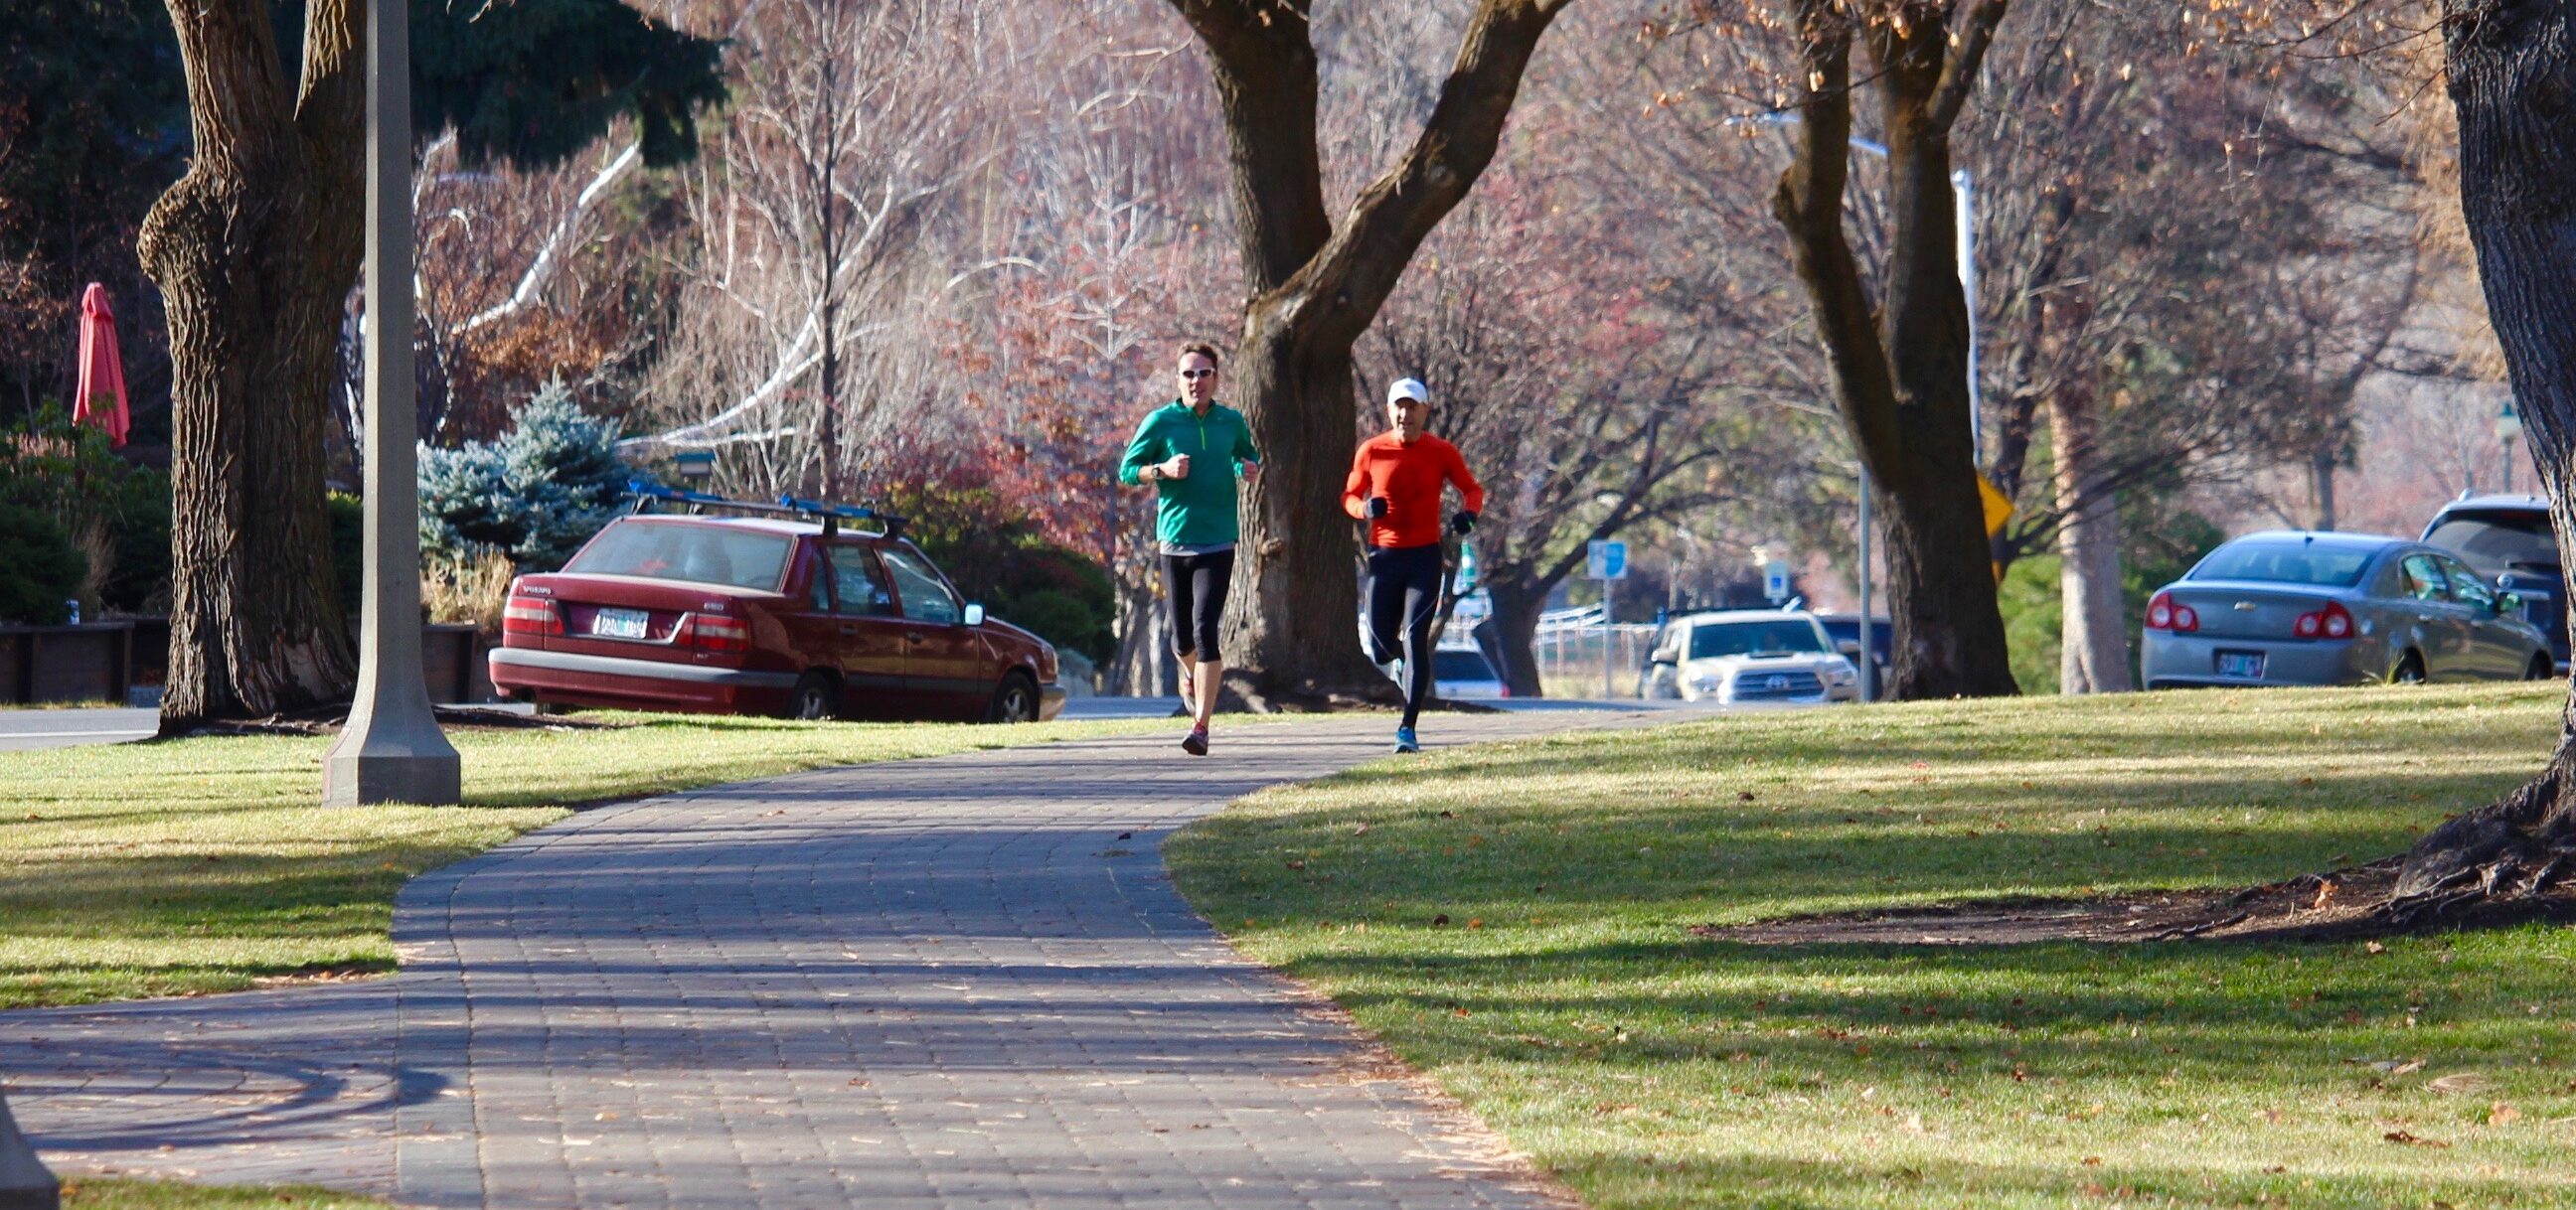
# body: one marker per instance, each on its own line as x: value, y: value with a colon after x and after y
x: 1410, y: 477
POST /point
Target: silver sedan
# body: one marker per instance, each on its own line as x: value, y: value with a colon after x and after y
x: 2301, y: 608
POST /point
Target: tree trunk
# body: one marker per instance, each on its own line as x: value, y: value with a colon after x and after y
x: 1901, y: 369
x: 2321, y: 485
x: 254, y: 251
x: 2512, y: 69
x: 1312, y: 290
x: 1296, y: 587
x: 2094, y: 648
x: 1514, y: 645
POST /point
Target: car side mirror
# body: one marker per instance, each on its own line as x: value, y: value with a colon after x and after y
x: 974, y: 615
x: 1849, y: 647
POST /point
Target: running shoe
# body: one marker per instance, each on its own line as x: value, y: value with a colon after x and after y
x: 1404, y: 741
x: 1195, y: 743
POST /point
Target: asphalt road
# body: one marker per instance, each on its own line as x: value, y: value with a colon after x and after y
x: 28, y: 730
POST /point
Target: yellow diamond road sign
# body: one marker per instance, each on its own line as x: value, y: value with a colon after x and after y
x: 1999, y: 507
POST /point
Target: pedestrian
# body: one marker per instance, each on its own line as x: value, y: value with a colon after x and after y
x: 1191, y: 449
x: 1395, y: 485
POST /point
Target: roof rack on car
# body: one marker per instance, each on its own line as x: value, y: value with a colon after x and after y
x: 831, y: 515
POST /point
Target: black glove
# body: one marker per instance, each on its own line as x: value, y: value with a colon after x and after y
x: 1463, y: 523
x: 1377, y: 506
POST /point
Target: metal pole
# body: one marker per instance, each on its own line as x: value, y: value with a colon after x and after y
x: 1608, y: 587
x: 1964, y: 186
x: 1868, y: 656
x: 391, y: 749
x: 25, y: 1183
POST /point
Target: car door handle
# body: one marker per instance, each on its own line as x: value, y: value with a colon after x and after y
x: 914, y: 636
x: 848, y: 628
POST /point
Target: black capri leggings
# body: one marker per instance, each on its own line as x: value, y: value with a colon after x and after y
x: 1403, y: 598
x: 1195, y: 585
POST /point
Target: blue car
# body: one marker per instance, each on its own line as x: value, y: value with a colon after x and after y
x: 2304, y: 608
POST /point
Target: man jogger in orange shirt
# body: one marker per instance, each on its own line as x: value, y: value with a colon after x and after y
x: 1395, y: 485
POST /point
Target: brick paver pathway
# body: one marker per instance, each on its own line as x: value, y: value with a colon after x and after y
x: 937, y: 983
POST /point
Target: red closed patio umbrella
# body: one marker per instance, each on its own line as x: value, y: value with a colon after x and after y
x: 102, y: 372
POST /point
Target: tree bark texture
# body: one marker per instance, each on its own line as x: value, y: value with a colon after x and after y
x: 1514, y: 642
x: 255, y: 250
x: 2512, y: 68
x: 2093, y: 650
x: 1312, y: 288
x: 1901, y: 364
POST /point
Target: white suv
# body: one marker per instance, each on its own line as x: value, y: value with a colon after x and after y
x: 1750, y: 655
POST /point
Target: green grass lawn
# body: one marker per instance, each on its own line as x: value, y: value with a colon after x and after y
x: 114, y: 1193
x: 206, y: 865
x: 1515, y: 921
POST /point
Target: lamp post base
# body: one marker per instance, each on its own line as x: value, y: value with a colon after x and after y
x: 25, y: 1183
x: 382, y: 771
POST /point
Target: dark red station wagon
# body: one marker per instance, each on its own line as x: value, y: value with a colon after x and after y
x: 783, y: 614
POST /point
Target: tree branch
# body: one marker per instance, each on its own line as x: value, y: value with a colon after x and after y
x: 543, y: 267
x: 1959, y: 78
x: 1360, y: 265
x: 1809, y: 202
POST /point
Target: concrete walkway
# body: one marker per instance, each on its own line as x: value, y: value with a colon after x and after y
x: 939, y: 983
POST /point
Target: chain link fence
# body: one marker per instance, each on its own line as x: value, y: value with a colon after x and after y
x: 1570, y: 659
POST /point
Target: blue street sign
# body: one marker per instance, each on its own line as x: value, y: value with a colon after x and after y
x: 1607, y: 560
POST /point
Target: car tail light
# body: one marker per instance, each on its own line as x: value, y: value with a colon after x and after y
x: 2331, y: 622
x: 2164, y: 613
x: 531, y: 615
x: 710, y: 632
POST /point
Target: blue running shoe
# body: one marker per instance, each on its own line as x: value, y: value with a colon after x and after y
x: 1404, y: 740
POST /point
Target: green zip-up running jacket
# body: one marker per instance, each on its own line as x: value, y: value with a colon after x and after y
x: 1197, y: 510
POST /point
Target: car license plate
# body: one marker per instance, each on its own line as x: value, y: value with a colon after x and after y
x: 2247, y: 664
x: 620, y: 623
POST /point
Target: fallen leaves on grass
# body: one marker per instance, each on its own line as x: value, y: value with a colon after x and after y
x: 2411, y: 1139
x: 2457, y: 1082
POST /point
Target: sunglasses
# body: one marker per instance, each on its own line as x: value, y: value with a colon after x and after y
x: 1197, y: 374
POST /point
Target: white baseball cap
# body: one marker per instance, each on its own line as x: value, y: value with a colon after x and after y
x: 1408, y: 388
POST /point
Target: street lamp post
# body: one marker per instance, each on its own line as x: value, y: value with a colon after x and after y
x: 1868, y: 653
x: 391, y: 749
x: 25, y: 1184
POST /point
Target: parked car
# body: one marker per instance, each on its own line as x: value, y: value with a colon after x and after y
x: 2301, y: 608
x: 1460, y: 671
x: 2510, y: 540
x: 783, y: 614
x: 1844, y: 629
x: 1749, y: 655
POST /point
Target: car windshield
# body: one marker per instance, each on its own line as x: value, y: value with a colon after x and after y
x: 2496, y: 543
x: 2285, y: 563
x: 1784, y: 637
x: 690, y: 551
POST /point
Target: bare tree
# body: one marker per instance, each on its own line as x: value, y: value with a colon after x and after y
x: 254, y: 250
x: 1897, y: 340
x: 1606, y: 350
x: 855, y: 124
x: 1312, y: 289
x: 2512, y: 80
